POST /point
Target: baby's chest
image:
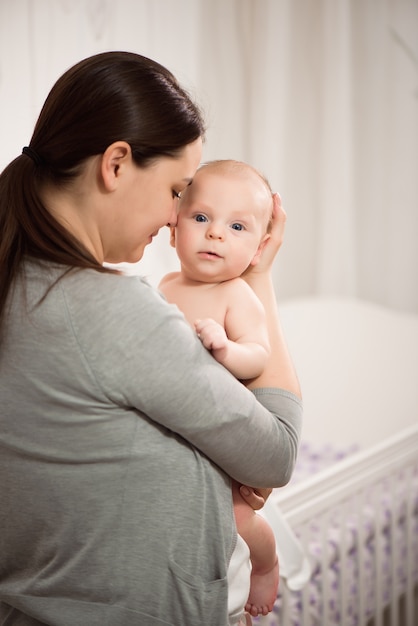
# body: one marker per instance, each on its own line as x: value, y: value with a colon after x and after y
x: 199, y: 304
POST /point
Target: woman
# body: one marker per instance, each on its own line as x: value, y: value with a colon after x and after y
x: 119, y: 432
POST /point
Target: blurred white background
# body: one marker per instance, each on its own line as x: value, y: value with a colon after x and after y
x: 321, y: 95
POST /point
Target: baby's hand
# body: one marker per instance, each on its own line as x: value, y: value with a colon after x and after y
x: 211, y: 334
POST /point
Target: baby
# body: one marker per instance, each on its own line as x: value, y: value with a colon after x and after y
x: 223, y: 223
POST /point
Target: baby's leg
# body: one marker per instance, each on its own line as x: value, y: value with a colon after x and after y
x: 259, y: 537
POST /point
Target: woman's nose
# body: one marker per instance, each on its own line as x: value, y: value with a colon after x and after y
x: 173, y: 217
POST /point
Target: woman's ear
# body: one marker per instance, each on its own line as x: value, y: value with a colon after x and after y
x: 260, y: 249
x: 114, y: 159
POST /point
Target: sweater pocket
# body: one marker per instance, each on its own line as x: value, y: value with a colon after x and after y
x: 198, y: 602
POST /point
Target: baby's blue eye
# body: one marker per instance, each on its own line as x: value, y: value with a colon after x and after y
x: 200, y: 218
x: 237, y: 226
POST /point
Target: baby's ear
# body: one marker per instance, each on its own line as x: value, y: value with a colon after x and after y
x: 173, y: 236
x: 260, y: 249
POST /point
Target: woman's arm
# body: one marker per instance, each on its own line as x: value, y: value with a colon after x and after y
x: 146, y: 360
x: 279, y: 371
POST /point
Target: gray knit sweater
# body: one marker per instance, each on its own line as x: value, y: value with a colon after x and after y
x: 118, y: 432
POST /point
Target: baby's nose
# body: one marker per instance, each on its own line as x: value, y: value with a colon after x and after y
x: 215, y: 232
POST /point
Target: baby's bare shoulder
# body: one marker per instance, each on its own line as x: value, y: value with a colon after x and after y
x: 240, y: 296
x: 168, y: 278
x: 237, y: 287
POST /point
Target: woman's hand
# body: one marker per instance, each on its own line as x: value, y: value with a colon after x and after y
x: 272, y: 244
x: 279, y: 371
x: 255, y: 497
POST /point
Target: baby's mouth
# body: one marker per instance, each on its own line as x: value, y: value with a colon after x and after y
x: 210, y: 254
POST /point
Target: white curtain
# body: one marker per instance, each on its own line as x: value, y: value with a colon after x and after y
x: 321, y: 95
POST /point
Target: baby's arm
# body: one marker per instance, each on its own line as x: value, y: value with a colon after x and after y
x: 244, y: 360
x: 242, y: 346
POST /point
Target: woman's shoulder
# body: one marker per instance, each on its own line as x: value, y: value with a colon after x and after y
x: 109, y: 290
x: 98, y: 306
x: 106, y: 282
x: 114, y: 309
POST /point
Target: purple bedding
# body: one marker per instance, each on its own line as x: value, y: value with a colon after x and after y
x: 370, y: 527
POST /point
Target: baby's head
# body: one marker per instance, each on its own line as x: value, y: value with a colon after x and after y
x: 224, y: 220
x: 248, y: 179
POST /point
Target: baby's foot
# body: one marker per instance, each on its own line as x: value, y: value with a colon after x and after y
x: 263, y: 592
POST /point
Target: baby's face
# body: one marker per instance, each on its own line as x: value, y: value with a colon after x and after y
x: 222, y: 224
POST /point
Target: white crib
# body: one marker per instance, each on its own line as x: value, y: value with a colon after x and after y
x: 347, y: 533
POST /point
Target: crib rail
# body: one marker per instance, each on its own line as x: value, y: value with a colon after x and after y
x: 358, y: 524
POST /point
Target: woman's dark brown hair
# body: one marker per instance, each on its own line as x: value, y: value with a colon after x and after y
x: 105, y: 98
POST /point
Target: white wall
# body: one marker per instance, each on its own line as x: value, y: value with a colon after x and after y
x: 322, y: 95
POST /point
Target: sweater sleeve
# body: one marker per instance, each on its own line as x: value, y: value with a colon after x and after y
x: 145, y: 357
